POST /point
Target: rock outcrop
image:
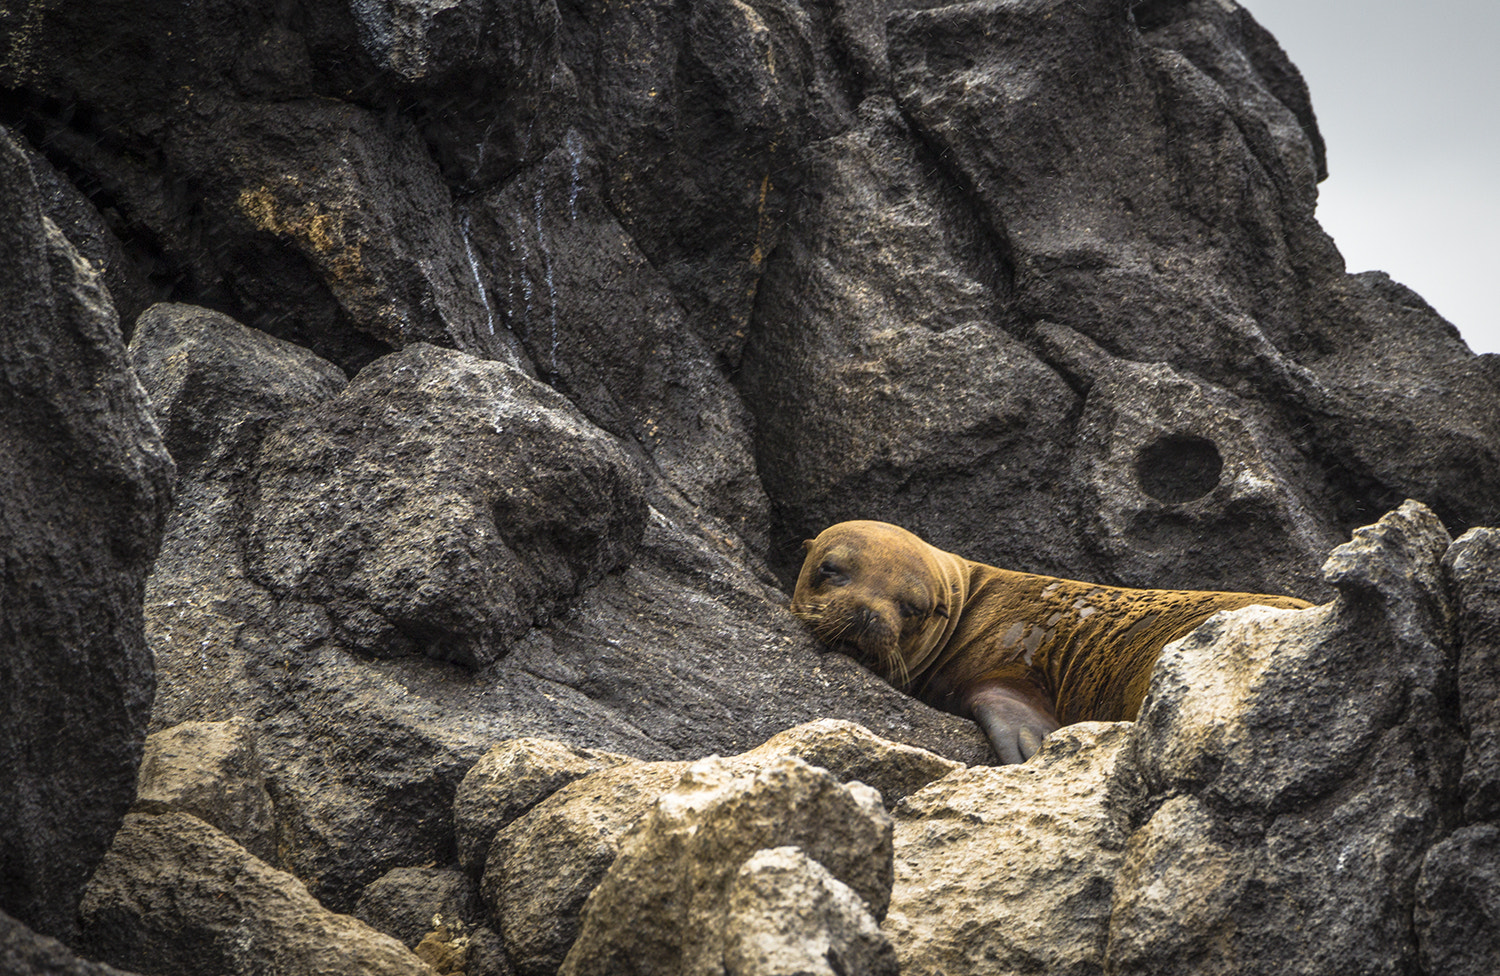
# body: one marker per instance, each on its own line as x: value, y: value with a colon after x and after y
x: 84, y: 487
x: 506, y: 352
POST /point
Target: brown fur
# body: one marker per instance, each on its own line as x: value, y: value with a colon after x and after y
x: 1009, y: 649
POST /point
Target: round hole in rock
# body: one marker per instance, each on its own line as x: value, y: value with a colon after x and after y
x: 1178, y: 468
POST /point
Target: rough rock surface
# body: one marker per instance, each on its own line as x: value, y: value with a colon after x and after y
x: 1304, y: 857
x: 1470, y: 565
x: 175, y: 897
x: 509, y: 780
x: 540, y: 869
x: 547, y: 859
x: 1040, y: 279
x: 661, y: 907
x: 787, y: 914
x: 24, y: 953
x: 84, y: 489
x: 1010, y: 869
x: 404, y: 903
x: 536, y: 504
x: 212, y: 771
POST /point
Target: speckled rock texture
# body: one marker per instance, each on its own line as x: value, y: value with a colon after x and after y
x: 507, y: 352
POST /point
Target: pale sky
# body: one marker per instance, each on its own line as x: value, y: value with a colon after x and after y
x: 1408, y: 99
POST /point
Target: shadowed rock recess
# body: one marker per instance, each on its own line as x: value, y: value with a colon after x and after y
x: 507, y: 352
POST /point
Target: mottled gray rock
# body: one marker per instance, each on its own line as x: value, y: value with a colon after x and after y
x: 1182, y: 484
x: 1059, y: 116
x: 661, y: 907
x: 1473, y: 570
x: 512, y: 778
x: 713, y: 101
x: 84, y: 490
x: 1457, y: 913
x: 1296, y: 765
x: 89, y: 233
x: 1010, y: 869
x: 602, y: 325
x: 403, y: 903
x: 175, y: 897
x: 541, y: 868
x: 882, y: 382
x: 788, y: 915
x: 464, y: 64
x: 215, y: 387
x: 211, y: 770
x: 1160, y: 202
x: 441, y: 505
x: 24, y: 953
x: 213, y: 384
x: 349, y: 206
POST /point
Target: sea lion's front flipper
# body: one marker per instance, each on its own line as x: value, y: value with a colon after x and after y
x: 1016, y: 720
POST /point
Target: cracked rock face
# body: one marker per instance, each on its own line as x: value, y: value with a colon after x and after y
x: 506, y: 352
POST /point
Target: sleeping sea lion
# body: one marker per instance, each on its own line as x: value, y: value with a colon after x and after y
x: 1020, y: 654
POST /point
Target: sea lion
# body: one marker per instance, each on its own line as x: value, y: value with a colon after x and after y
x: 1020, y: 654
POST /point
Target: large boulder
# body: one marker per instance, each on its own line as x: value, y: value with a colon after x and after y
x: 440, y: 505
x: 662, y: 905
x: 175, y: 897
x: 1296, y: 767
x: 84, y: 492
x: 1010, y: 868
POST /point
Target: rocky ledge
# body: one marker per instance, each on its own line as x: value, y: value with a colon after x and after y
x: 504, y: 355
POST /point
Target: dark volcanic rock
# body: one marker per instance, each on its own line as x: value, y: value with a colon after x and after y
x: 1179, y: 483
x: 697, y: 111
x: 83, y: 493
x: 1160, y: 203
x: 882, y: 383
x: 1074, y: 135
x: 215, y: 387
x: 602, y: 325
x: 403, y: 902
x: 441, y: 505
x: 1471, y: 565
x: 90, y: 234
x: 1458, y: 903
x: 24, y: 953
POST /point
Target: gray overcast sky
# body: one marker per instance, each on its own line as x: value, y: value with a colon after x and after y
x: 1408, y: 98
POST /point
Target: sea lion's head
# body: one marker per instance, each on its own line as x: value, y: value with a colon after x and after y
x: 881, y: 595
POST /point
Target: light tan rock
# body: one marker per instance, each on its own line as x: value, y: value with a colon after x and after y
x: 212, y: 771
x: 540, y: 868
x: 510, y: 779
x: 788, y: 915
x: 852, y: 752
x: 1296, y: 766
x: 1009, y: 869
x: 661, y: 907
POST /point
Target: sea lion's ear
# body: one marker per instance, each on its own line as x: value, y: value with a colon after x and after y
x: 940, y: 611
x: 807, y: 545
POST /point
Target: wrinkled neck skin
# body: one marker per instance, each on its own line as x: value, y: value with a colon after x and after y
x: 936, y: 645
